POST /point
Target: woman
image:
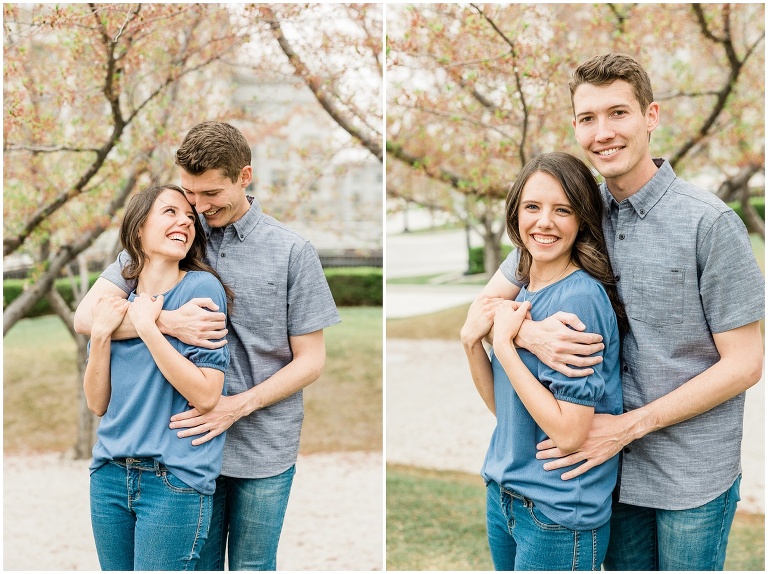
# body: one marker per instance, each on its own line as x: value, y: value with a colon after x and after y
x: 151, y: 491
x: 536, y: 520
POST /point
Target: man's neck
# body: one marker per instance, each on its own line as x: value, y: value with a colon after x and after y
x: 627, y: 185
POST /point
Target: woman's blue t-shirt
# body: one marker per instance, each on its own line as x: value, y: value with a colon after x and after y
x: 143, y: 401
x: 584, y: 502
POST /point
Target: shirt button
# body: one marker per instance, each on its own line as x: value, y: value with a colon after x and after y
x: 616, y: 278
x: 621, y: 236
x: 627, y: 450
x: 626, y: 368
x: 223, y: 254
x: 642, y: 212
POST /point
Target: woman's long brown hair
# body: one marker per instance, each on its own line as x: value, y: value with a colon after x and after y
x: 589, y: 251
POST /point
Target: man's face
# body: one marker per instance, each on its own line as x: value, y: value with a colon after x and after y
x: 220, y: 200
x: 613, y: 132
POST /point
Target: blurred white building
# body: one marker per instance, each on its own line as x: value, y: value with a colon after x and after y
x: 307, y: 171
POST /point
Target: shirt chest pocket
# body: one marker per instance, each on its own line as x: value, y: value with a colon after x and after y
x: 255, y: 304
x: 658, y: 296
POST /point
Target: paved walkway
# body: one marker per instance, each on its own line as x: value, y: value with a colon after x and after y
x: 409, y: 300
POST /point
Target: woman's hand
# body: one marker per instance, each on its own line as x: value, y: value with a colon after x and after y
x: 479, y: 319
x: 108, y: 313
x: 509, y: 316
x: 144, y: 311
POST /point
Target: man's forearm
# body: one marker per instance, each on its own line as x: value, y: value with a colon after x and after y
x: 126, y: 330
x: 739, y: 368
x: 296, y: 375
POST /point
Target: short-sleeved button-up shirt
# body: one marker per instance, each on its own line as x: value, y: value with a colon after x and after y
x: 686, y: 270
x: 280, y: 291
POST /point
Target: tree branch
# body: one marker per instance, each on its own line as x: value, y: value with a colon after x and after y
x: 518, y: 84
x: 441, y: 174
x: 371, y: 141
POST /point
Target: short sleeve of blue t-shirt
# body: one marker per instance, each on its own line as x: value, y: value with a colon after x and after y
x: 586, y: 299
x: 204, y: 285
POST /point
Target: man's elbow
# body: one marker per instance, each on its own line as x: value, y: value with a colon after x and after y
x: 753, y: 370
x: 316, y: 370
x: 81, y: 325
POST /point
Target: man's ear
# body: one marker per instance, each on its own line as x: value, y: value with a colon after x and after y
x: 246, y: 175
x: 652, y: 116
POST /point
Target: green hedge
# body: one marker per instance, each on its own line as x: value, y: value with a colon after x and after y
x: 356, y: 286
x: 757, y: 202
x: 477, y: 258
x: 351, y: 286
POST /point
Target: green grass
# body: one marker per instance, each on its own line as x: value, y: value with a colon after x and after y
x: 417, y: 280
x: 343, y: 408
x: 436, y: 521
x: 40, y: 385
x: 445, y: 324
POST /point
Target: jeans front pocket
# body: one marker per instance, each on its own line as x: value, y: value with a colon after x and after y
x: 541, y: 520
x: 175, y: 484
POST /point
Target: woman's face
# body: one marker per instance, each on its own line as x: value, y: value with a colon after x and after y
x: 547, y: 222
x: 169, y: 229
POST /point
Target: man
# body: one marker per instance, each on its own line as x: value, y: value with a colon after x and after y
x: 282, y: 304
x: 694, y: 295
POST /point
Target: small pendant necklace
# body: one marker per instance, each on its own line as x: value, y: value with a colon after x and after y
x: 181, y: 276
x: 547, y: 284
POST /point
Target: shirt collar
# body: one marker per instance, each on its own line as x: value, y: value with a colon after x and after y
x: 245, y: 224
x: 649, y: 195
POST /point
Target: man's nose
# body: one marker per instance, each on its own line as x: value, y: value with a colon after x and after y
x: 604, y: 131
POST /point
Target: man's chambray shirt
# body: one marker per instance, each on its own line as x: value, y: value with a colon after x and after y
x: 686, y: 270
x: 280, y: 291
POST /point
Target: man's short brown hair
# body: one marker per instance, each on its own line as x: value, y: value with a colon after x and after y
x: 607, y: 68
x: 214, y: 145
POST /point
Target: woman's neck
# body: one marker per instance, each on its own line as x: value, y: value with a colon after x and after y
x: 541, y: 276
x: 158, y: 278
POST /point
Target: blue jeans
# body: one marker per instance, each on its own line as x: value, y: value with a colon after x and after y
x: 653, y: 539
x: 249, y: 513
x: 144, y: 518
x: 522, y: 538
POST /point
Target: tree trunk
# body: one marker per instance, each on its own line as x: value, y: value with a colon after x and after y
x: 87, y: 421
x: 491, y: 243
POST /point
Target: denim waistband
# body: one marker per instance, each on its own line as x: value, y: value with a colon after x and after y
x: 142, y: 463
x: 525, y: 500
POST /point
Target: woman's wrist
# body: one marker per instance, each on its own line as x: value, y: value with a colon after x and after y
x: 99, y: 335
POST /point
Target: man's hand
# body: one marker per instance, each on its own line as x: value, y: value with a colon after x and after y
x: 558, y: 346
x: 480, y: 318
x: 212, y: 423
x: 194, y: 325
x: 607, y: 436
x: 108, y: 313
